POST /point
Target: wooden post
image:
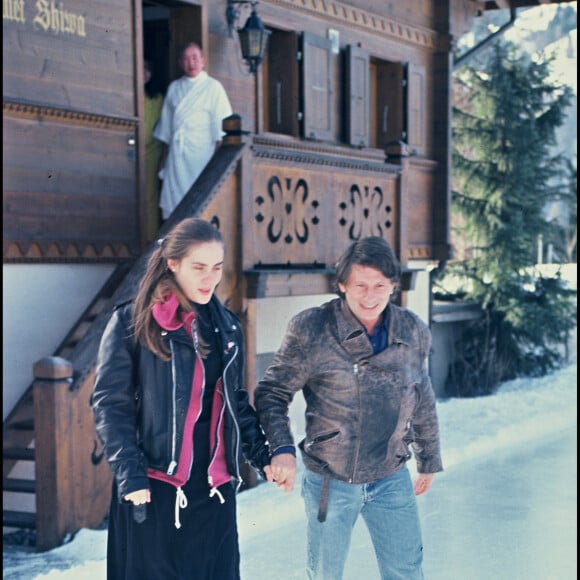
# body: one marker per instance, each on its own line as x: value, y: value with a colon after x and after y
x: 237, y: 129
x: 52, y: 421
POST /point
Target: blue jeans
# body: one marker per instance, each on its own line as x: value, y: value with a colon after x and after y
x: 389, y: 509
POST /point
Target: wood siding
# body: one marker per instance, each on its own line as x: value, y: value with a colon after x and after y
x: 73, y: 170
x: 71, y: 130
x: 62, y: 189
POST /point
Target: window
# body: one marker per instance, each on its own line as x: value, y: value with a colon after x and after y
x: 281, y: 90
x: 298, y: 86
x: 397, y: 104
x: 382, y: 102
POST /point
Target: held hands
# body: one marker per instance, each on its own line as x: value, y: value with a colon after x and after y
x: 139, y: 497
x: 282, y: 471
x: 423, y: 483
x: 268, y: 473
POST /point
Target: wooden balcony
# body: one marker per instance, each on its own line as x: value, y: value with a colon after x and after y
x: 287, y: 210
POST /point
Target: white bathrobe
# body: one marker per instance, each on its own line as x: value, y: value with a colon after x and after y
x: 191, y: 124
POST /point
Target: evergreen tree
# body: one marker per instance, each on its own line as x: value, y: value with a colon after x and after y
x: 504, y: 126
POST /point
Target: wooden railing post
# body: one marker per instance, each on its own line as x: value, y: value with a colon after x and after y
x: 237, y: 129
x: 52, y: 421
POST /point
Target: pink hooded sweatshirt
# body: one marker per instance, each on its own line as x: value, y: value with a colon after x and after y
x: 169, y: 317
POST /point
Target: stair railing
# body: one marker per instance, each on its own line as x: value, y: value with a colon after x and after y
x: 73, y: 482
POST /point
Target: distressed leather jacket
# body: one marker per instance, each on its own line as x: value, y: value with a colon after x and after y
x: 365, y: 412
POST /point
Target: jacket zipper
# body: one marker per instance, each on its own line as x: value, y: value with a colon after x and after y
x: 355, y: 370
x: 197, y: 356
x: 213, y: 490
x: 173, y: 462
x: 230, y: 408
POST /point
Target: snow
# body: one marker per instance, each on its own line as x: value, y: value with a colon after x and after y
x: 508, y: 492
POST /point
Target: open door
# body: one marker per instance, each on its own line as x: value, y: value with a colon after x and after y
x: 167, y: 26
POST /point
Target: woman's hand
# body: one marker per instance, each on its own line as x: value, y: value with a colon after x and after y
x: 139, y: 497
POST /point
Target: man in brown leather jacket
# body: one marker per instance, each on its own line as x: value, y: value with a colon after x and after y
x: 361, y: 363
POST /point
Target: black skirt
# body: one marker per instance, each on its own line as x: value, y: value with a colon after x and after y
x: 204, y: 548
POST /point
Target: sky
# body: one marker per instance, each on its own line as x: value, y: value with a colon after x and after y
x: 537, y: 19
x: 565, y: 50
x: 507, y: 497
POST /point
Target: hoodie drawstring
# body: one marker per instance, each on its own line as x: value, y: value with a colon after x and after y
x: 180, y: 502
x: 215, y: 491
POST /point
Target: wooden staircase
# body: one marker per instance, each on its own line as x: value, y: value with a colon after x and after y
x: 50, y: 433
x: 19, y: 429
x: 20, y: 433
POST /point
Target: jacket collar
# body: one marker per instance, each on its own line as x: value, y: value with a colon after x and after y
x: 168, y: 315
x: 399, y: 329
x: 170, y: 318
x: 353, y: 337
x: 350, y: 331
x: 226, y: 323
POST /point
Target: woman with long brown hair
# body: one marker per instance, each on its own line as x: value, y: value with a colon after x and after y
x: 174, y: 417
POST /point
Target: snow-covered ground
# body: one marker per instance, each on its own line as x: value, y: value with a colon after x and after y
x: 504, y: 508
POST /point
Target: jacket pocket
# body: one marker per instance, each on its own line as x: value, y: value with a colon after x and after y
x: 320, y: 439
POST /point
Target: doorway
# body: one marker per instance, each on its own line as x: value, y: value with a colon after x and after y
x: 167, y: 26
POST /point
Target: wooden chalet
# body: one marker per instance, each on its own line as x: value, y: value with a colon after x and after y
x: 343, y: 131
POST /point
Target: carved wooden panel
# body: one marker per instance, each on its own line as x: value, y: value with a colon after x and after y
x: 223, y: 211
x: 305, y: 213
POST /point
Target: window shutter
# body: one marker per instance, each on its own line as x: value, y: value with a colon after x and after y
x: 317, y: 88
x: 357, y: 99
x: 415, y: 107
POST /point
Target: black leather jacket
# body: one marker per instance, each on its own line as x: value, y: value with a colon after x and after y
x: 139, y: 401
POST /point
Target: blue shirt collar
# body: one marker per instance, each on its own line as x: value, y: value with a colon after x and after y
x: 380, y: 338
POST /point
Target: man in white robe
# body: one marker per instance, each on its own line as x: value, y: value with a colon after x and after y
x: 190, y: 126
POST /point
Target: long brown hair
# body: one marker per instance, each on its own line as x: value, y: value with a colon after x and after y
x: 158, y: 281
